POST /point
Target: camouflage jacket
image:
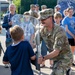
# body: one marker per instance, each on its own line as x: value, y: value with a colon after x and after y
x: 56, y: 39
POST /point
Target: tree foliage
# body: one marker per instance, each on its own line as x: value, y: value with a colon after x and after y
x: 49, y: 3
x: 17, y: 3
x: 24, y: 5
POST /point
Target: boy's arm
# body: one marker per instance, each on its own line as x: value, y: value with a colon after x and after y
x: 32, y: 37
x: 5, y: 58
x: 4, y: 62
x: 69, y: 32
x: 33, y: 57
x: 32, y: 34
x: 31, y: 52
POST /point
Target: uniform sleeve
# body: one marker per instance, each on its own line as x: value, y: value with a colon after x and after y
x: 31, y: 52
x: 5, y: 57
x: 60, y: 40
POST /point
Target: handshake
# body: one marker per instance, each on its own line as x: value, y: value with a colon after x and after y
x: 41, y: 59
x: 37, y: 61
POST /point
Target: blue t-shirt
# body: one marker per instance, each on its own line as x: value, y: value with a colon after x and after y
x: 19, y: 57
x: 70, y: 22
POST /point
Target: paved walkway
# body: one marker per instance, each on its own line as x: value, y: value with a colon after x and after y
x: 6, y: 71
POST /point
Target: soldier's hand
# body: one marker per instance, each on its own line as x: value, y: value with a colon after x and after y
x: 40, y: 60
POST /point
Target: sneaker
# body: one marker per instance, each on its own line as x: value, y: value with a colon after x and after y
x: 73, y: 64
x: 6, y: 66
x: 51, y: 67
x: 68, y: 71
x: 42, y: 66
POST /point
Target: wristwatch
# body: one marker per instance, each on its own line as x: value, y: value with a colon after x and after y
x: 43, y: 58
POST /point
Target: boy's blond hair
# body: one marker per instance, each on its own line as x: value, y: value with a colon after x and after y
x: 57, y: 15
x: 69, y: 8
x: 16, y: 33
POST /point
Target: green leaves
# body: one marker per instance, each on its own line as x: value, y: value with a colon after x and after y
x: 24, y: 5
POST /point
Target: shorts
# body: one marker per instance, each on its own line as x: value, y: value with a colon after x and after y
x: 71, y: 42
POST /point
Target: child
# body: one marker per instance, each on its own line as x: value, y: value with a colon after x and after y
x: 65, y: 13
x: 58, y: 18
x: 28, y: 28
x: 19, y: 53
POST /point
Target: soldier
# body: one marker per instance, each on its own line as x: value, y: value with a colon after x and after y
x: 56, y: 42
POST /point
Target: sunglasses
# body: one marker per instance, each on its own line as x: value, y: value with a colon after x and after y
x: 45, y: 18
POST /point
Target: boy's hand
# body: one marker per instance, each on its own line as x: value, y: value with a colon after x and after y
x: 10, y: 23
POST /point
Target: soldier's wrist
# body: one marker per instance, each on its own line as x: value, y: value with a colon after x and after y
x: 43, y: 58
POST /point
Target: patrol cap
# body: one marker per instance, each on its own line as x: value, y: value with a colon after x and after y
x: 44, y: 14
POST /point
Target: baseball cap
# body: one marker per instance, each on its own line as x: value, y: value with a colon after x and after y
x: 57, y: 6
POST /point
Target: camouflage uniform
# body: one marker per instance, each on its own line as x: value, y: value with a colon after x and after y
x: 56, y: 39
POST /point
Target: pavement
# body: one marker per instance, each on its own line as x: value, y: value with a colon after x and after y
x: 43, y: 71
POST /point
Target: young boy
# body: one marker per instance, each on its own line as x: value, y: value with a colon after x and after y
x: 58, y: 18
x: 19, y: 53
x: 28, y: 28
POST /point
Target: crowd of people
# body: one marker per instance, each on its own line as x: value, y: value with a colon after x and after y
x: 57, y: 36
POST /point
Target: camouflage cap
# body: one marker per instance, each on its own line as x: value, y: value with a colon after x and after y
x: 44, y: 14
